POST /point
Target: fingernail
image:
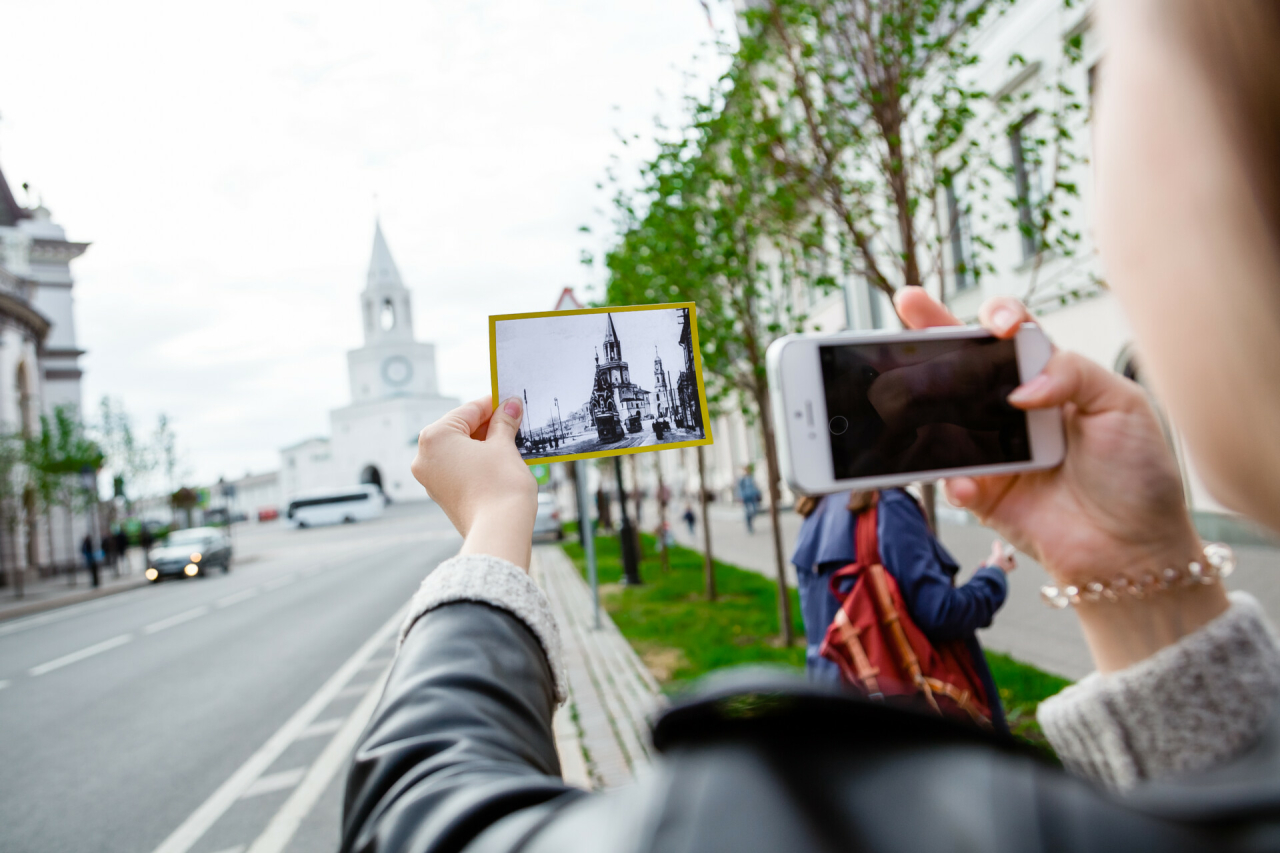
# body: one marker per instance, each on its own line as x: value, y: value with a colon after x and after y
x: 1004, y: 319
x: 1031, y: 390
x: 512, y: 407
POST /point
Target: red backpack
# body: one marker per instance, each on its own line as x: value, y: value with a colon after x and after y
x: 883, y: 654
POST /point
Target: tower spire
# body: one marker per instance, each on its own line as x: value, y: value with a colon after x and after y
x: 383, y: 273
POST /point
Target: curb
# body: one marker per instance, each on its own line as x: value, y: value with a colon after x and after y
x: 71, y: 598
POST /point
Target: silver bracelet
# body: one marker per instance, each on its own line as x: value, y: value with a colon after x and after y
x: 1219, y: 562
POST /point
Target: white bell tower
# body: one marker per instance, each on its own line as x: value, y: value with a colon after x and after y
x: 388, y: 317
x: 393, y: 387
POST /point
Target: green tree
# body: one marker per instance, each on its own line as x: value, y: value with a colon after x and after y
x: 719, y: 221
x: 55, y: 459
x: 128, y: 459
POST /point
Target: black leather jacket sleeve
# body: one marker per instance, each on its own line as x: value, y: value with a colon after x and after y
x: 461, y: 738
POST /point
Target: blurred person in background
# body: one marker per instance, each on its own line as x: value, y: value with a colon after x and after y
x: 749, y: 493
x: 1181, y: 713
x: 924, y: 570
x: 90, y: 555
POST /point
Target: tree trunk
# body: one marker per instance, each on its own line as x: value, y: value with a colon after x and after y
x: 775, y: 496
x: 707, y: 566
x: 71, y: 542
x: 48, y: 523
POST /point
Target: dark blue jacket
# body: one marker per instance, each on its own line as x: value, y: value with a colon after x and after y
x: 919, y: 563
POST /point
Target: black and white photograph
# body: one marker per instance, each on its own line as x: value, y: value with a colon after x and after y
x: 602, y: 381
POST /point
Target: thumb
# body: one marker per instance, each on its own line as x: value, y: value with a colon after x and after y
x: 1071, y: 378
x: 505, y: 421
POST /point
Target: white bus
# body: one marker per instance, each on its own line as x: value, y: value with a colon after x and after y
x: 335, y: 506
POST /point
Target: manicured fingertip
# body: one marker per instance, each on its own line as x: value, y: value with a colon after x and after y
x: 512, y: 407
x: 1032, y: 392
x: 1004, y: 321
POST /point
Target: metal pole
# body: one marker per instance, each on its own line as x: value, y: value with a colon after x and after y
x: 586, y: 525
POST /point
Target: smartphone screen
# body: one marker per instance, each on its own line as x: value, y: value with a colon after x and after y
x: 898, y: 407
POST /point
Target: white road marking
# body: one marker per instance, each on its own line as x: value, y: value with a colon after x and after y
x: 324, y: 727
x: 88, y: 652
x: 273, y: 782
x: 278, y: 582
x: 239, y: 848
x: 236, y: 598
x: 4, y: 684
x: 198, y: 822
x: 337, y: 753
x: 353, y: 690
x: 185, y: 616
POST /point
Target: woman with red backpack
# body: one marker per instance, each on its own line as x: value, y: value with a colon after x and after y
x: 907, y: 634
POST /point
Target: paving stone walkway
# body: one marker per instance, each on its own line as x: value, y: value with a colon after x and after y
x: 602, y: 731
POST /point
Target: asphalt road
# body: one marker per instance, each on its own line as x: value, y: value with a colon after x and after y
x: 210, y: 714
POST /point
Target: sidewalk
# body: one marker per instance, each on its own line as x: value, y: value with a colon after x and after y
x: 602, y: 731
x: 47, y: 593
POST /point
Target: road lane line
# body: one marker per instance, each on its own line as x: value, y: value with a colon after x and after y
x: 353, y: 690
x: 278, y: 582
x: 88, y: 652
x: 239, y: 848
x: 236, y: 598
x: 324, y: 727
x: 198, y: 822
x: 185, y: 616
x: 273, y: 782
x: 337, y: 753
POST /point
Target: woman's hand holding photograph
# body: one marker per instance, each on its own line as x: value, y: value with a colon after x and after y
x: 469, y: 465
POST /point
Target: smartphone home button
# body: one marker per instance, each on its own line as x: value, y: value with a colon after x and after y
x: 838, y: 425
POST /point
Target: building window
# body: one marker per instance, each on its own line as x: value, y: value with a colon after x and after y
x: 961, y: 244
x: 1026, y: 181
x: 387, y: 318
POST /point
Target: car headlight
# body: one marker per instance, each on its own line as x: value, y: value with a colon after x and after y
x: 195, y: 558
x: 190, y: 570
x: 152, y: 574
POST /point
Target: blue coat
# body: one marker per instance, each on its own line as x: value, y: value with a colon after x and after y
x: 923, y: 568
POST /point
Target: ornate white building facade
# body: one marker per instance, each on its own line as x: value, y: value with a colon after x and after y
x: 394, y: 394
x: 39, y: 366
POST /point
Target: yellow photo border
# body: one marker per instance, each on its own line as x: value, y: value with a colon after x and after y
x: 494, y: 319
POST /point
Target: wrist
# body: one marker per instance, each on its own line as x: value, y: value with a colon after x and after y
x: 1120, y: 634
x: 502, y: 530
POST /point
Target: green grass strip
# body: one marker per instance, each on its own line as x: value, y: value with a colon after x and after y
x: 681, y: 636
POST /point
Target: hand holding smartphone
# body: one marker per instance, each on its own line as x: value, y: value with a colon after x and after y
x: 882, y: 409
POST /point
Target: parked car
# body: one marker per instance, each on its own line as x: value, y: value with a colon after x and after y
x: 188, y: 553
x: 268, y: 513
x: 548, y: 518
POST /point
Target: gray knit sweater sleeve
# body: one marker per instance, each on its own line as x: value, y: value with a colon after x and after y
x: 1192, y: 705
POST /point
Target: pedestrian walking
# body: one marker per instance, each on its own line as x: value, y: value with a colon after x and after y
x: 750, y: 495
x: 122, y: 549
x: 109, y: 555
x: 923, y: 570
x: 690, y: 519
x: 90, y: 558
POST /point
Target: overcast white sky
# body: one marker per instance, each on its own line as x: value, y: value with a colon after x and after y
x: 224, y: 160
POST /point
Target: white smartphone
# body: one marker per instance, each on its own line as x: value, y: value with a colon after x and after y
x: 881, y: 409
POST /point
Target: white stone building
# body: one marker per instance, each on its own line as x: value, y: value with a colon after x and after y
x: 39, y: 364
x: 394, y: 394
